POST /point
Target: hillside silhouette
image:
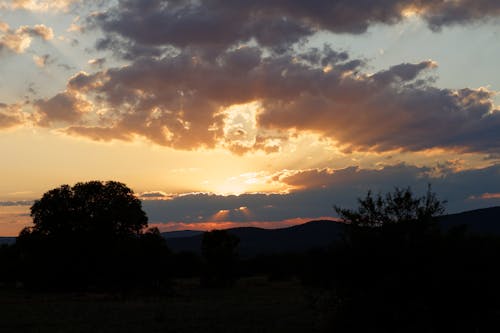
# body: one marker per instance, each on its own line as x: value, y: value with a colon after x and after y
x: 7, y: 240
x: 321, y: 233
x: 254, y: 241
x: 484, y: 221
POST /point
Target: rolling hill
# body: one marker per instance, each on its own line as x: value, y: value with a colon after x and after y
x: 484, y: 221
x: 321, y: 234
x: 314, y: 234
x: 7, y: 240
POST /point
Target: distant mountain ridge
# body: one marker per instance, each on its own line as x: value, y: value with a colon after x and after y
x: 322, y: 233
x: 181, y: 233
x: 7, y: 240
x: 479, y: 221
x: 314, y: 234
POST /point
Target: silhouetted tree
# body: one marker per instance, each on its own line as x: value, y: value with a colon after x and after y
x: 397, y: 272
x: 91, y: 235
x: 401, y: 206
x: 399, y: 216
x: 219, y: 252
x: 99, y: 209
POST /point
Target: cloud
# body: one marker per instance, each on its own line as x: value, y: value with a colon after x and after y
x: 38, y: 30
x: 43, y: 61
x: 65, y: 107
x: 97, y: 62
x: 16, y: 203
x: 184, y: 101
x: 215, y: 25
x: 443, y: 13
x: 154, y: 195
x: 371, y: 115
x: 37, y: 5
x: 317, y: 190
x: 191, y: 61
x: 10, y: 115
x: 75, y: 26
x: 19, y: 40
x: 486, y: 196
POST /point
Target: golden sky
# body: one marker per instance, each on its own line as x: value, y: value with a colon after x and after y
x: 284, y: 108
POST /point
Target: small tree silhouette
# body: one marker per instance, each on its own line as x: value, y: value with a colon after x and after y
x: 219, y: 252
x: 397, y: 216
x: 383, y: 272
x: 401, y: 206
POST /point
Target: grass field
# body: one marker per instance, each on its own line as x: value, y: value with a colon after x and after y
x: 252, y: 305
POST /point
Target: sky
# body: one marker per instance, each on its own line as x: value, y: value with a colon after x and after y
x: 265, y: 113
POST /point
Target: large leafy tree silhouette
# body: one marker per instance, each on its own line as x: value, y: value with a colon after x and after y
x: 91, y: 235
x: 99, y: 209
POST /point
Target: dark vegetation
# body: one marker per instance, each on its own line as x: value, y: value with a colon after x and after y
x: 396, y: 265
x: 92, y: 236
x: 400, y: 273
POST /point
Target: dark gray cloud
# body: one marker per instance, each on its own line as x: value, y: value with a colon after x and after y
x: 443, y: 13
x: 319, y: 189
x: 277, y: 24
x: 377, y: 117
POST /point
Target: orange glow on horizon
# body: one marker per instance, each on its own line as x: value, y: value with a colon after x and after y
x: 212, y: 225
x: 13, y: 219
x: 486, y: 196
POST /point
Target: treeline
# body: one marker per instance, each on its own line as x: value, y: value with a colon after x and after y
x: 386, y: 280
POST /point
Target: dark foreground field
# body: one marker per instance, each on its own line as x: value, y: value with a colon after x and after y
x: 252, y: 305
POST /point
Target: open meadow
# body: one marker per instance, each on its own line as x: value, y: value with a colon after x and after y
x: 252, y: 305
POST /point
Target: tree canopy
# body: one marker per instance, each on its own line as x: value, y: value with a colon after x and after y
x: 400, y: 206
x: 91, y: 235
x: 107, y: 209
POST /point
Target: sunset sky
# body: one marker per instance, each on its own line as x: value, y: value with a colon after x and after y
x: 265, y: 112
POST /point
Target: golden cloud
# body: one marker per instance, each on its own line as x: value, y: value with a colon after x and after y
x: 20, y: 39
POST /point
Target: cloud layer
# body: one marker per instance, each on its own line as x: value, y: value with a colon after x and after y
x: 317, y: 190
x: 190, y: 61
x: 179, y: 101
x: 216, y: 24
